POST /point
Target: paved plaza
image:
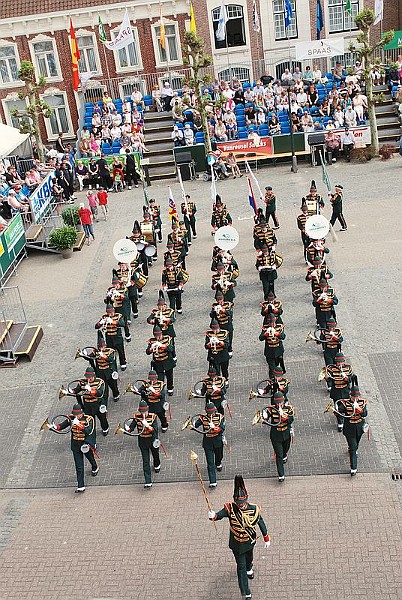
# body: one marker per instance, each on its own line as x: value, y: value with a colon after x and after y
x: 327, y: 528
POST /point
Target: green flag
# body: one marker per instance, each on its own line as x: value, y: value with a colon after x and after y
x: 348, y: 7
x: 101, y: 32
x: 325, y: 177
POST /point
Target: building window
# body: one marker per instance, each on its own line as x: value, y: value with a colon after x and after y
x: 94, y: 94
x: 128, y: 57
x: 9, y: 107
x: 45, y: 58
x: 170, y: 44
x: 58, y: 120
x: 235, y: 29
x: 175, y: 80
x: 87, y: 62
x: 240, y: 73
x: 281, y: 32
x: 339, y: 18
x: 280, y: 69
x: 126, y: 88
x: 347, y: 60
x: 8, y: 65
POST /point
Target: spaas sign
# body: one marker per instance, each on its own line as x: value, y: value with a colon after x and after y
x: 41, y: 197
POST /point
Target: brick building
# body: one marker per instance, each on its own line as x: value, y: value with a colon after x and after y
x: 39, y: 32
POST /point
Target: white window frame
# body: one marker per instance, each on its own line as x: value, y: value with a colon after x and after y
x: 56, y: 92
x: 46, y: 38
x: 346, y: 18
x: 13, y: 97
x: 16, y: 82
x: 155, y: 40
x: 129, y: 68
x: 84, y: 33
x: 235, y: 73
x: 137, y: 82
x: 293, y: 29
x: 169, y: 77
x: 95, y: 85
x: 230, y: 15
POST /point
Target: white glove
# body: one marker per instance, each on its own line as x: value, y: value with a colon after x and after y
x: 267, y: 544
x: 76, y: 421
x: 211, y: 515
x: 88, y: 387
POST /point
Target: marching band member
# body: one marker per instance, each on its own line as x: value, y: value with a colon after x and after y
x: 336, y: 202
x: 342, y: 378
x: 272, y: 306
x: 217, y: 343
x: 172, y: 283
x: 146, y: 424
x: 318, y: 271
x: 153, y: 392
x: 324, y: 300
x: 278, y: 383
x: 138, y: 238
x: 134, y: 282
x: 301, y: 225
x: 103, y: 361
x: 227, y: 259
x: 220, y: 216
x: 109, y: 325
x: 175, y: 255
x: 270, y: 206
x: 147, y: 224
x: 163, y: 360
x: 332, y: 341
x: 83, y: 433
x: 188, y: 210
x: 243, y: 520
x: 313, y: 201
x: 264, y: 235
x: 164, y: 317
x: 214, y: 389
x: 354, y: 410
x: 273, y: 334
x: 223, y: 312
x: 117, y: 296
x: 155, y: 212
x: 90, y: 392
x: 213, y: 424
x: 224, y: 281
x: 179, y: 242
x: 316, y: 249
x: 281, y: 416
x: 267, y: 264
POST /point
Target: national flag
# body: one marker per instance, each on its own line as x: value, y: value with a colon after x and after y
x: 288, y: 13
x: 162, y: 38
x: 75, y: 57
x: 256, y: 18
x: 325, y: 177
x: 251, y: 198
x: 348, y: 7
x: 319, y: 19
x: 193, y: 26
x: 378, y: 11
x: 101, y: 31
x: 213, y: 183
x: 254, y: 178
x: 221, y: 30
x: 172, y: 207
x: 183, y: 193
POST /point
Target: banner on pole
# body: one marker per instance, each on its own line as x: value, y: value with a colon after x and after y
x: 125, y: 36
x: 320, y: 48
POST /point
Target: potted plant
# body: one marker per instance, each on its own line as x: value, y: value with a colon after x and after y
x: 70, y: 217
x: 63, y: 240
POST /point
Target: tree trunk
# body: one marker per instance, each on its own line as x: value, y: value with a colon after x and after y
x: 372, y: 115
x: 204, y: 116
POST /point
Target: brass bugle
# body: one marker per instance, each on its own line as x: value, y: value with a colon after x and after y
x: 77, y: 354
x: 45, y: 425
x: 322, y: 374
x: 187, y: 424
x: 119, y: 429
x: 257, y: 418
x: 191, y: 394
x: 129, y: 388
x: 63, y: 392
x: 252, y: 394
x: 330, y: 407
x: 311, y: 337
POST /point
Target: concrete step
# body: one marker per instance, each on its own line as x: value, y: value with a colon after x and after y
x: 162, y: 172
x: 151, y: 117
x: 157, y: 135
x: 388, y: 123
x: 380, y: 88
x: 384, y: 108
x: 389, y: 134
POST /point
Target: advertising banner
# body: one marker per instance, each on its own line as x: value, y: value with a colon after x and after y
x: 12, y: 241
x: 320, y: 49
x: 40, y: 199
x: 262, y: 150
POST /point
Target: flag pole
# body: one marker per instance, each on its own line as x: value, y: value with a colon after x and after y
x: 108, y: 72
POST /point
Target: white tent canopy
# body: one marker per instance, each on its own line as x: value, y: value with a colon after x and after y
x: 13, y: 142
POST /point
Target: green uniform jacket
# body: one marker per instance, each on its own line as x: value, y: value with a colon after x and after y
x: 237, y: 530
x: 337, y: 203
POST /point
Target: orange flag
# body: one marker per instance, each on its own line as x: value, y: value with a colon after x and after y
x: 75, y: 57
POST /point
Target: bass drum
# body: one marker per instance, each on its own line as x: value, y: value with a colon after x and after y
x: 150, y: 250
x: 147, y: 230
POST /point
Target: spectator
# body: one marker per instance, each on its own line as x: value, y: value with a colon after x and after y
x: 350, y: 117
x: 233, y: 166
x: 115, y: 133
x: 339, y: 118
x: 85, y: 216
x: 60, y: 144
x: 360, y: 105
x: 332, y: 143
x: 96, y: 124
x: 221, y: 169
x: 85, y: 147
x: 103, y: 201
x: 338, y: 72
x: 137, y: 98
x: 178, y: 137
x: 302, y: 99
x: 157, y: 99
x: 32, y: 180
x: 312, y: 95
x: 188, y: 135
x: 287, y: 76
x: 317, y: 75
x: 249, y: 114
x: 167, y: 95
x: 93, y: 174
x: 274, y: 125
x: 260, y: 117
x: 238, y: 98
x: 108, y: 102
x: 93, y: 204
x: 15, y: 203
x: 85, y: 133
x: 347, y: 142
x: 308, y: 76
x: 266, y: 79
x: 296, y: 124
x: 104, y: 173
x: 330, y: 126
x: 81, y: 172
x: 297, y: 74
x: 116, y: 119
x: 105, y: 134
x: 220, y: 132
x: 131, y: 170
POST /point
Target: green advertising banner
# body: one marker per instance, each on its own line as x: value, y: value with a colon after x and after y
x: 109, y: 159
x: 396, y: 42
x: 12, y: 241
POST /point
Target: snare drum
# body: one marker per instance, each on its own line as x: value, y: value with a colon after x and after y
x: 185, y: 276
x: 142, y: 279
x: 147, y: 230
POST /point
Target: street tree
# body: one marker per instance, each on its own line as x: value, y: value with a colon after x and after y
x: 365, y: 51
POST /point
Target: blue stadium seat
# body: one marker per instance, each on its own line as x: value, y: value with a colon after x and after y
x: 243, y: 135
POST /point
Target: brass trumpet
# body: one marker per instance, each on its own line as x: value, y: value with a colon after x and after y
x: 311, y: 337
x: 322, y: 374
x: 45, y: 425
x: 187, y: 424
x: 119, y: 429
x: 257, y: 418
x: 130, y: 388
x: 330, y: 407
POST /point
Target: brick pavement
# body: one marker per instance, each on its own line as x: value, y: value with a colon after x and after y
x: 74, y: 291
x: 332, y: 537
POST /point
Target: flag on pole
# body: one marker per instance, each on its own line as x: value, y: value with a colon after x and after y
x: 256, y: 18
x: 251, y: 198
x: 254, y: 178
x: 325, y: 177
x: 213, y: 183
x: 378, y: 11
x: 162, y: 38
x: 101, y: 31
x: 193, y: 26
x: 75, y: 57
x: 172, y: 206
x: 183, y: 193
x: 288, y: 13
x: 319, y: 19
x: 221, y: 30
x: 124, y: 38
x: 348, y: 7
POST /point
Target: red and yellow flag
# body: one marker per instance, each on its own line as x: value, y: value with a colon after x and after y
x: 162, y: 38
x: 75, y: 57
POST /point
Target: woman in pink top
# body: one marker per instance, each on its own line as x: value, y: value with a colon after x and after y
x: 93, y: 204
